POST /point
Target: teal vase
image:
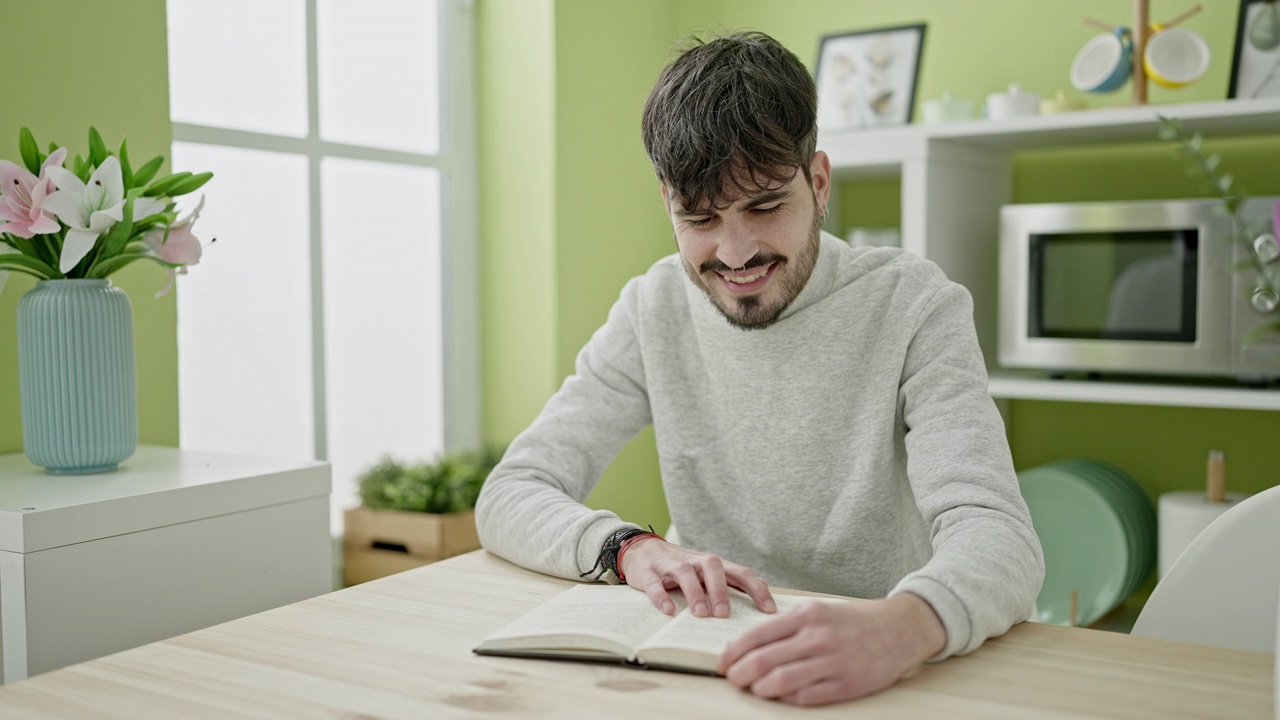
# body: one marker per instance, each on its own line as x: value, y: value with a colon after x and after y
x: 76, y: 375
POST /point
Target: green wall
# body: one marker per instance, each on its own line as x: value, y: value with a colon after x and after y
x: 569, y: 206
x: 76, y: 63
x: 606, y: 225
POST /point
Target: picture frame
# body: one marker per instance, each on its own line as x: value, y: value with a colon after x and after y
x: 868, y: 78
x: 1255, y: 70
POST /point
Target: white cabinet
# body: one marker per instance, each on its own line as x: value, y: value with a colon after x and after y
x: 955, y: 176
x: 173, y: 542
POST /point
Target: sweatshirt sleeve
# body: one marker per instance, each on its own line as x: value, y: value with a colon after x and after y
x: 987, y: 565
x: 530, y: 508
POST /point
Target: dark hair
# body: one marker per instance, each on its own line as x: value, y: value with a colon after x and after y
x: 729, y: 113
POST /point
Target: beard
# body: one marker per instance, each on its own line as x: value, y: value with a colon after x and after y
x: 757, y: 312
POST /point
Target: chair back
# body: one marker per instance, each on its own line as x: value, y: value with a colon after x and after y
x: 1225, y: 587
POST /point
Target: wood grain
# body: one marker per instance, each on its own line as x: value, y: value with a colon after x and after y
x: 400, y: 647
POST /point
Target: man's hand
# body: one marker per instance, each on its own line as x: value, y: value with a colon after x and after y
x: 656, y: 566
x: 825, y: 652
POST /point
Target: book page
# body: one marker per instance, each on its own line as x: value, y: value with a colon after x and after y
x: 696, y: 643
x: 611, y: 618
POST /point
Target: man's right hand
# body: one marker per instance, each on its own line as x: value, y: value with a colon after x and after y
x: 656, y: 566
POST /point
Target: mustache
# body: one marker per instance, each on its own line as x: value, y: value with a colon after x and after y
x: 759, y: 260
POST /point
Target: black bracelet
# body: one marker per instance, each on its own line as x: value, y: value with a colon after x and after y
x: 607, y: 560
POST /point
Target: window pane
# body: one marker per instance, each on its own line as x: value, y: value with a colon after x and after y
x: 379, y: 73
x: 382, y: 316
x: 244, y: 313
x: 239, y: 64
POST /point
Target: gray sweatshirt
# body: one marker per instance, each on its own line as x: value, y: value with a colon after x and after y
x: 850, y: 448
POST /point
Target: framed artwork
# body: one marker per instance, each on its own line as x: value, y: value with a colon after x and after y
x: 1255, y: 67
x: 868, y: 78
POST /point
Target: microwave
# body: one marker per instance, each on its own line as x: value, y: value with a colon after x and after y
x: 1149, y: 287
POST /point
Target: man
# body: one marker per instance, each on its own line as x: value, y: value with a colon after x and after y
x: 821, y: 412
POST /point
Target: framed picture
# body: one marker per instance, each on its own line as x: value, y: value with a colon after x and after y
x: 868, y: 78
x: 1255, y: 68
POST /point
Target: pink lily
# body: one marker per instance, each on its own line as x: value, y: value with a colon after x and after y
x: 22, y: 197
x: 181, y: 247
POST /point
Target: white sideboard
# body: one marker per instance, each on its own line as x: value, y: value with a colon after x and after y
x: 955, y: 176
x: 172, y: 542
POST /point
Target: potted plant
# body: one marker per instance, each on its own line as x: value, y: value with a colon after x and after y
x: 71, y: 224
x: 414, y: 514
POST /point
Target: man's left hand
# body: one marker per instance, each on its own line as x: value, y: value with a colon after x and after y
x: 825, y: 652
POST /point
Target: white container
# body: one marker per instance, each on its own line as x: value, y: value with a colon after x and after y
x: 945, y: 108
x: 1014, y: 103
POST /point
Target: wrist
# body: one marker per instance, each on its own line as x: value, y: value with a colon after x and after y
x: 928, y: 634
x: 627, y: 545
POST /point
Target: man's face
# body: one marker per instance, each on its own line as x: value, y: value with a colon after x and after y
x: 753, y: 256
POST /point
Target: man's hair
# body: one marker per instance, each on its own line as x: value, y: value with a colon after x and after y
x: 730, y: 115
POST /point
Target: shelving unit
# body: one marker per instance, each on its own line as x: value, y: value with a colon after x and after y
x: 956, y: 176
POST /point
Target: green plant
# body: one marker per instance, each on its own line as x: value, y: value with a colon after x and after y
x: 451, y: 483
x: 1258, y: 237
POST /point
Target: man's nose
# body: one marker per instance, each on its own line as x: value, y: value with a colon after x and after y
x: 737, y: 246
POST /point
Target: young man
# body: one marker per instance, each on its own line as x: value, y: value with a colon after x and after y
x: 821, y: 412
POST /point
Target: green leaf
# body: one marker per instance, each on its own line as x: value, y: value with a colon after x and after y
x: 82, y: 169
x: 190, y: 184
x: 147, y: 171
x: 120, y: 232
x: 126, y: 172
x: 114, y: 264
x: 97, y: 149
x: 28, y: 264
x: 29, y: 150
x: 162, y: 186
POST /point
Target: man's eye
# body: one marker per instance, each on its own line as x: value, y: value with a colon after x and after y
x: 768, y: 210
x: 698, y: 222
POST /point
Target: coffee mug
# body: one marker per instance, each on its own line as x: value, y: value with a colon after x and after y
x: 1175, y: 57
x: 1104, y: 63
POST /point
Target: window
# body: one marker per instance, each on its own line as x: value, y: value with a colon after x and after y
x: 336, y: 316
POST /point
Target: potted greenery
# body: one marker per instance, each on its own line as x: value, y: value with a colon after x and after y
x: 414, y: 514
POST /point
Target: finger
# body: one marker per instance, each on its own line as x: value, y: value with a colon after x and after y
x: 766, y: 633
x: 658, y: 595
x: 823, y: 692
x: 748, y: 582
x: 717, y: 587
x: 691, y: 586
x: 794, y: 677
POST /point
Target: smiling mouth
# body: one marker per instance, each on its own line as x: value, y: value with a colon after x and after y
x: 747, y: 282
x: 744, y: 279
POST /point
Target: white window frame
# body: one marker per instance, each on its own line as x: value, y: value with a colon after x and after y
x: 456, y: 163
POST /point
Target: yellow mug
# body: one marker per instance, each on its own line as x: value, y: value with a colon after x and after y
x: 1175, y: 57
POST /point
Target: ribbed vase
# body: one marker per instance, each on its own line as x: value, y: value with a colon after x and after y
x: 77, y: 377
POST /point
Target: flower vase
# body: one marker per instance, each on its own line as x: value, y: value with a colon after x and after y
x: 76, y: 374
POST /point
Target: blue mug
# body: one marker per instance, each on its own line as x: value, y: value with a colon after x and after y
x: 1104, y: 63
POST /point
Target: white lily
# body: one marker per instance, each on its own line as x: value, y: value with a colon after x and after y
x: 88, y: 210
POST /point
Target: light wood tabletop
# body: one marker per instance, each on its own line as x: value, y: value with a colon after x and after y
x: 400, y: 647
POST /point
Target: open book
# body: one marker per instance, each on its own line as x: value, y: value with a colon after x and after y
x: 618, y: 623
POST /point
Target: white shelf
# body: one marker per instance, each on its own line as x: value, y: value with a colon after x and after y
x: 1023, y: 387
x: 955, y: 178
x: 882, y: 151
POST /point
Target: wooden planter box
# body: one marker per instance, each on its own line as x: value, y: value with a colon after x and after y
x: 377, y: 543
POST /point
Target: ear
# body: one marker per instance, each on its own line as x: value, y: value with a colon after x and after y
x: 820, y: 177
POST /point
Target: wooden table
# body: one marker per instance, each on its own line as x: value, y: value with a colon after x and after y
x: 400, y: 647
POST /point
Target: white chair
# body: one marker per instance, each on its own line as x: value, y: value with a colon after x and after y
x: 1223, y: 590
